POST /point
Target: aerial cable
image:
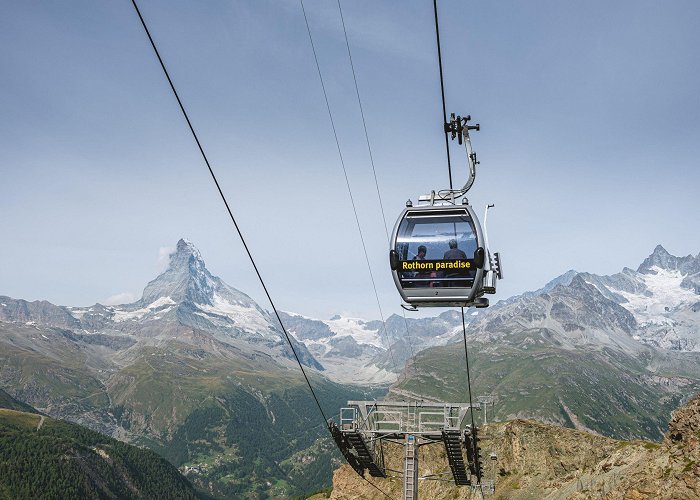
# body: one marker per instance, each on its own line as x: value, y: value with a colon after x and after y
x: 347, y: 183
x: 471, y: 410
x: 228, y: 208
x: 364, y: 124
x: 371, y: 157
x: 410, y: 344
x: 233, y: 219
x: 472, y: 162
x: 442, y: 91
x: 466, y: 356
x: 240, y: 234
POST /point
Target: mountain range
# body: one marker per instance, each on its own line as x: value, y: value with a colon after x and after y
x: 612, y: 354
x: 194, y: 370
x: 200, y: 373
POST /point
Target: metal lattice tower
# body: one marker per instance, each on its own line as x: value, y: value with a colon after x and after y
x: 366, y: 425
x: 484, y: 402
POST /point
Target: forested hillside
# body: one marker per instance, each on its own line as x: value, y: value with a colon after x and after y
x: 46, y: 458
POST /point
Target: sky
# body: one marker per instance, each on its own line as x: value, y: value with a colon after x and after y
x: 589, y: 140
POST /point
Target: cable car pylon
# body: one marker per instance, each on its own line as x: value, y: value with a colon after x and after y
x: 366, y: 427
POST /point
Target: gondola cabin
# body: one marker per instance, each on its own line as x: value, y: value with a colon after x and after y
x: 438, y: 255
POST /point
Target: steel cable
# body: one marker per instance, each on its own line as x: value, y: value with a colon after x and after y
x: 347, y: 183
x: 371, y: 158
x: 228, y: 208
x: 449, y: 170
x: 442, y: 91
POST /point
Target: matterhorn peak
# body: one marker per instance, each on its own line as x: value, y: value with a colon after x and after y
x: 184, y: 256
x: 185, y: 278
x: 186, y: 246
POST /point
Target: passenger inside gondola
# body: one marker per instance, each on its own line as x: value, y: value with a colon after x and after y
x: 454, y: 252
x: 451, y: 274
x: 423, y: 275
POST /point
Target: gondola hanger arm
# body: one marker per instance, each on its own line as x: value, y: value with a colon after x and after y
x: 458, y: 128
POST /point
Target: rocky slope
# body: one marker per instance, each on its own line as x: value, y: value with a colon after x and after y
x: 532, y: 460
x: 656, y: 305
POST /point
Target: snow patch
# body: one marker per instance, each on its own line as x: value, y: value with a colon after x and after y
x: 598, y: 288
x: 246, y: 318
x: 77, y: 313
x: 356, y: 329
x: 665, y: 295
x: 159, y: 304
x: 297, y: 315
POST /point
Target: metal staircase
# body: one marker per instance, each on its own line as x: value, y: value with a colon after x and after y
x: 364, y: 455
x: 453, y: 449
x: 366, y: 426
x: 344, y: 447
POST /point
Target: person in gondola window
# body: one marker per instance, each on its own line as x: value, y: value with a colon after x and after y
x: 454, y: 252
x: 451, y: 254
x: 422, y: 250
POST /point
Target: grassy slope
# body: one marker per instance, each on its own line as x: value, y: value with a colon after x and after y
x: 241, y: 440
x: 10, y: 403
x: 239, y: 422
x: 532, y: 378
x: 239, y: 427
x: 41, y: 377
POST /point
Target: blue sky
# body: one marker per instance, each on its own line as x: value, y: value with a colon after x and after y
x: 589, y: 148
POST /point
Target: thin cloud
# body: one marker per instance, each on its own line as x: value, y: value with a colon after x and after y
x: 164, y: 254
x: 119, y: 298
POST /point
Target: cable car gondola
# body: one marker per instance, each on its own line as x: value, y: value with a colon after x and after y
x: 439, y: 255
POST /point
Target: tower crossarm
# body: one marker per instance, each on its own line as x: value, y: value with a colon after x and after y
x: 420, y: 418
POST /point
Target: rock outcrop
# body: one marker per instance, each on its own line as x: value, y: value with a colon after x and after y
x: 531, y: 460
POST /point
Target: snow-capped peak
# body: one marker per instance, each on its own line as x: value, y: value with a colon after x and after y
x: 186, y: 278
x: 660, y: 258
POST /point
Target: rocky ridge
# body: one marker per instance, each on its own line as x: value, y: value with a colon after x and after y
x: 657, y: 305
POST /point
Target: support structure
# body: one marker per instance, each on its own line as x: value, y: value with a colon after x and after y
x: 410, y: 469
x: 365, y: 426
x: 484, y: 402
